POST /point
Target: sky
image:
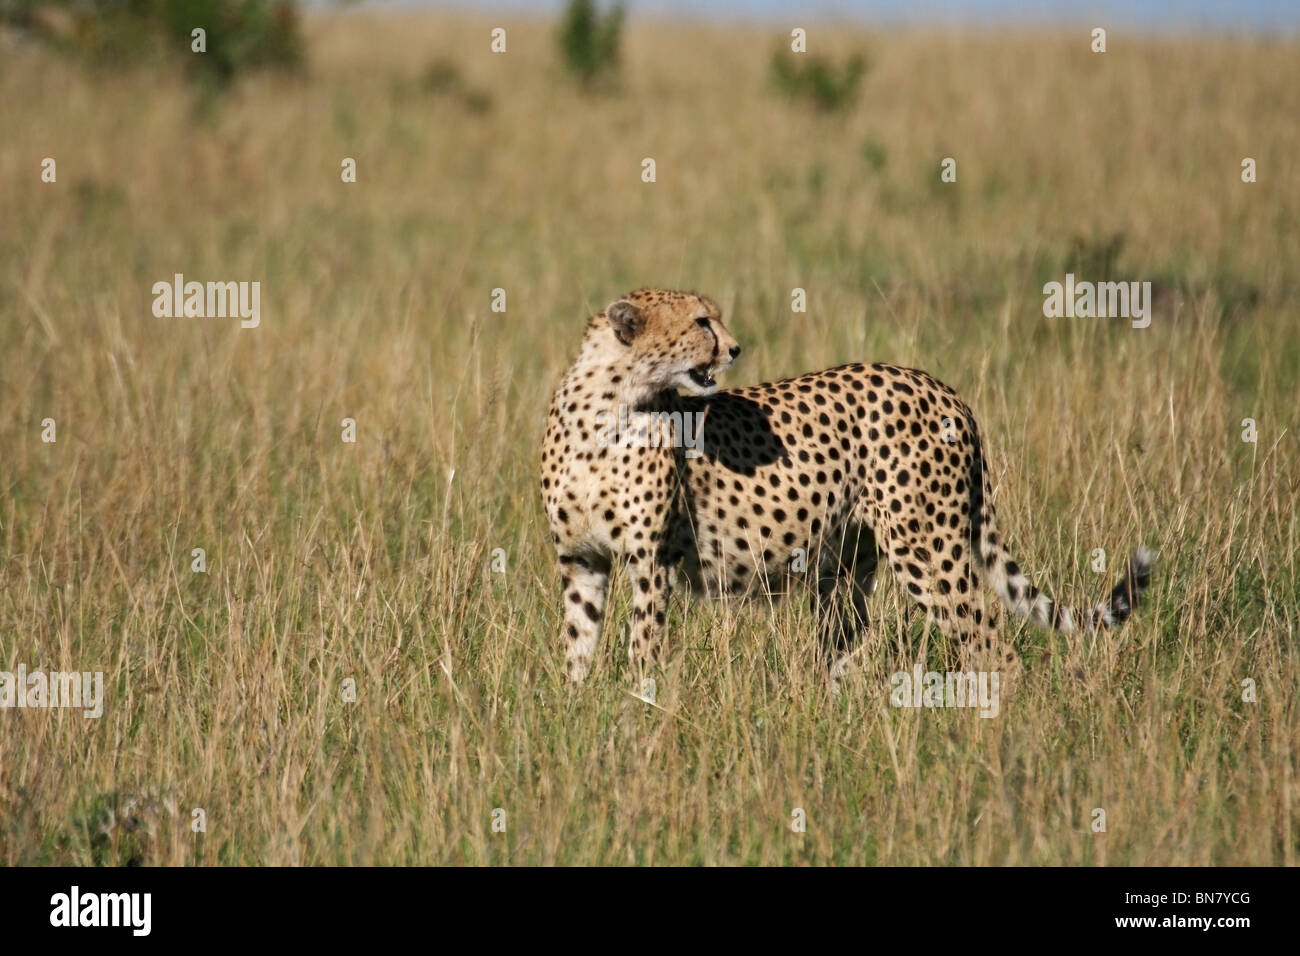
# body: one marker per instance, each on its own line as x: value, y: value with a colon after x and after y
x: 1252, y: 16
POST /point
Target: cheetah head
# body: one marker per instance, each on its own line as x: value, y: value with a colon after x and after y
x: 671, y: 340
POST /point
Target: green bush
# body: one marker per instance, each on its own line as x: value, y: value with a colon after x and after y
x: 442, y: 77
x: 240, y: 34
x: 874, y: 152
x: 816, y: 79
x: 589, y: 40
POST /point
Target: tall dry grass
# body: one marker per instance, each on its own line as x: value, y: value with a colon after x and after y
x: 329, y: 561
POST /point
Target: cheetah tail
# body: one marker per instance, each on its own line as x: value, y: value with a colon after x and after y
x: 1003, y: 575
x: 1014, y: 588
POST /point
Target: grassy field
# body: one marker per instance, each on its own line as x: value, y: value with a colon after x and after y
x: 371, y: 561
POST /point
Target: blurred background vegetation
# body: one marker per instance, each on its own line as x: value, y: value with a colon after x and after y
x: 239, y: 35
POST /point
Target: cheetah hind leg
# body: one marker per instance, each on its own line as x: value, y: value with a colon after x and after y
x: 955, y: 602
x: 971, y: 625
x: 840, y: 634
x: 983, y: 649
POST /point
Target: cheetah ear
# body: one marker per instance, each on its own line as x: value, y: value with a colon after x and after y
x: 627, y: 320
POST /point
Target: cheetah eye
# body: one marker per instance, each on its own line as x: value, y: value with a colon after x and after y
x: 703, y: 320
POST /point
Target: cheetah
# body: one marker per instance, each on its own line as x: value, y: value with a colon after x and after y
x: 730, y: 489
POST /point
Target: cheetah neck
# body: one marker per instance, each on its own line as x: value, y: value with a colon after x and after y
x: 603, y: 377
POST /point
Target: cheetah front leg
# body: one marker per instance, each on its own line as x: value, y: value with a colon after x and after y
x: 585, y: 584
x: 650, y: 588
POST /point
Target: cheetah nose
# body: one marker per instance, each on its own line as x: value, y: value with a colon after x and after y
x: 734, y: 350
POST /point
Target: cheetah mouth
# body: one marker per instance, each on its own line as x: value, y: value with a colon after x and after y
x: 702, y: 376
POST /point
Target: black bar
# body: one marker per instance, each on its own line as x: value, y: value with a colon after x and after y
x: 947, y: 907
